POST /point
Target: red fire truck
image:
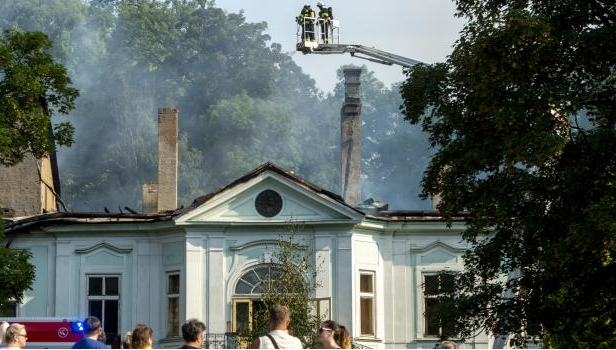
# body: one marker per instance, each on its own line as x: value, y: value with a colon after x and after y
x: 49, y: 332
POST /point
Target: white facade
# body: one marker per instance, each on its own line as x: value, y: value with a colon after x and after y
x: 210, y: 245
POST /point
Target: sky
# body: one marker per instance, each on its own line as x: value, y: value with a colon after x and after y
x: 424, y: 30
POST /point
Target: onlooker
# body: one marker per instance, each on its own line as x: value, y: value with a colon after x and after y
x: 142, y: 337
x: 333, y: 335
x: 448, y: 344
x: 15, y: 337
x: 127, y: 340
x: 278, y: 337
x: 192, y: 332
x: 92, y: 330
x: 3, y: 328
x: 102, y: 337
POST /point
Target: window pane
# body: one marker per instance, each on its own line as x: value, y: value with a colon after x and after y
x: 367, y: 318
x: 432, y: 323
x: 9, y: 309
x: 95, y: 308
x: 251, y: 278
x: 243, y: 288
x: 242, y: 315
x: 365, y: 284
x: 173, y: 318
x: 262, y: 272
x: 110, y: 323
x: 111, y: 286
x: 258, y: 289
x: 174, y: 284
x: 447, y: 284
x: 95, y: 286
x: 430, y: 284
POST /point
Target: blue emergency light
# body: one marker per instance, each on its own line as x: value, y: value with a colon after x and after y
x: 77, y: 327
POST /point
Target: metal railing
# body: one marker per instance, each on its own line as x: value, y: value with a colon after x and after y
x: 312, y: 32
x: 221, y: 341
x: 233, y: 341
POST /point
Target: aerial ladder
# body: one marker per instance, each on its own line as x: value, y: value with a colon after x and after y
x: 322, y: 36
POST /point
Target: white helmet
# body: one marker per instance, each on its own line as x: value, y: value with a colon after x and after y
x: 320, y: 4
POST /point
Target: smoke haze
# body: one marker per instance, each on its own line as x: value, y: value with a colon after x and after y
x: 242, y: 102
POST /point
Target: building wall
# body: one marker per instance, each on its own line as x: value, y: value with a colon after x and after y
x: 211, y: 258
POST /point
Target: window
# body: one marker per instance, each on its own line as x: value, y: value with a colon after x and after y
x: 104, y: 302
x: 9, y: 309
x: 247, y: 303
x: 322, y: 308
x: 173, y: 304
x: 367, y: 303
x: 434, y: 286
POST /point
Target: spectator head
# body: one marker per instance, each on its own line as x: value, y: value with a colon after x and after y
x: 142, y: 337
x: 3, y: 328
x: 92, y: 327
x: 335, y: 330
x: 192, y: 331
x: 279, y: 317
x: 126, y: 340
x: 15, y: 336
x: 448, y: 344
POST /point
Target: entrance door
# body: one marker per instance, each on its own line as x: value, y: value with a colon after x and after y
x: 244, y: 312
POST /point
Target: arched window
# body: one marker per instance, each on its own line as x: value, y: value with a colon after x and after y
x: 248, y: 290
x: 255, y: 280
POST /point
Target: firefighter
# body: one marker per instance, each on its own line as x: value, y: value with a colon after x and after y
x: 306, y: 19
x: 325, y: 17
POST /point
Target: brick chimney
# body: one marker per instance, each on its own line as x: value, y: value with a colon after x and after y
x: 350, y: 138
x: 149, y: 198
x: 167, y: 159
x: 29, y: 187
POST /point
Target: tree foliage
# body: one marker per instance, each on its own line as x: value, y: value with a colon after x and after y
x: 523, y: 113
x: 32, y: 87
x: 130, y: 57
x: 16, y: 274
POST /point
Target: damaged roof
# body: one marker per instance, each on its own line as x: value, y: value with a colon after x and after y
x: 61, y: 218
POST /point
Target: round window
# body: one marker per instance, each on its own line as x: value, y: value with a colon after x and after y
x: 268, y: 203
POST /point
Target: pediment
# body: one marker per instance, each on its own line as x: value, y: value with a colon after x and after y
x: 299, y: 203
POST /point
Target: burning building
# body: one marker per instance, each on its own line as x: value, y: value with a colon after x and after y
x: 205, y: 261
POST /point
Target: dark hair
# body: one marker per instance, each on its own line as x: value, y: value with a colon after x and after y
x: 341, y: 334
x: 278, y: 314
x: 192, y: 329
x: 91, y: 324
x: 141, y: 334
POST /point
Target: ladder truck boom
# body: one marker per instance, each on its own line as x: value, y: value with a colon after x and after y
x: 367, y: 53
x: 322, y: 36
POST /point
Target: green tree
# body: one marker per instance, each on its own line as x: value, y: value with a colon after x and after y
x: 16, y: 275
x: 32, y: 87
x: 292, y: 283
x: 524, y: 117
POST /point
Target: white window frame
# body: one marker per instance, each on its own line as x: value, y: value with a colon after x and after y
x: 362, y: 295
x: 424, y: 299
x: 168, y: 296
x: 105, y: 297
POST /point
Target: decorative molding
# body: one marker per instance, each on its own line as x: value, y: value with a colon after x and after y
x: 438, y: 244
x: 266, y: 242
x: 104, y: 245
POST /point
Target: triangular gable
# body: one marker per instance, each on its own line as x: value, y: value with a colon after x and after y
x: 301, y: 201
